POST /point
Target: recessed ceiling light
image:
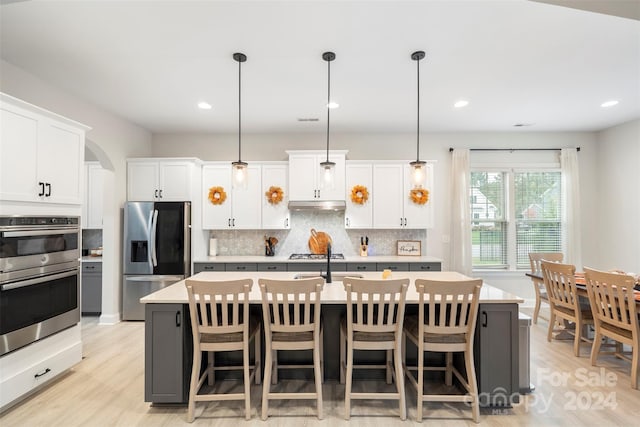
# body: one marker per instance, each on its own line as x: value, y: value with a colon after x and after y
x: 609, y: 104
x: 333, y: 105
x: 461, y: 103
x: 520, y: 125
x: 204, y: 105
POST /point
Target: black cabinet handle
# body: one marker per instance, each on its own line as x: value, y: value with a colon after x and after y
x: 46, y: 371
x: 156, y: 194
x: 89, y: 267
x: 177, y: 319
x: 48, y: 185
x: 271, y: 267
x: 233, y: 222
x: 208, y: 267
x: 229, y: 222
x: 241, y: 267
x: 484, y: 319
x: 361, y: 267
x: 425, y: 267
x: 161, y: 194
x: 41, y: 193
x: 286, y: 222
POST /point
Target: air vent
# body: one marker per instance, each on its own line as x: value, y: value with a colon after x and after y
x: 308, y: 119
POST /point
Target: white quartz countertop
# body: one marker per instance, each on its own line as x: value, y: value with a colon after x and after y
x: 333, y: 293
x: 91, y: 259
x: 347, y: 258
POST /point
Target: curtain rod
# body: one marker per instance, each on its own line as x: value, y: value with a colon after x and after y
x: 514, y: 149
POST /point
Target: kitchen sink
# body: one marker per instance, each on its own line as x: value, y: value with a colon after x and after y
x: 335, y: 277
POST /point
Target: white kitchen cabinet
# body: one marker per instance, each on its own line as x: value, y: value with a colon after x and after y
x: 307, y: 175
x: 241, y: 209
x: 275, y: 215
x: 154, y: 180
x: 93, y: 195
x: 392, y: 204
x: 41, y: 154
x: 358, y: 215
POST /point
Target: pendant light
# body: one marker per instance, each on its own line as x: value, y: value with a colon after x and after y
x: 328, y: 168
x: 239, y: 168
x: 418, y: 167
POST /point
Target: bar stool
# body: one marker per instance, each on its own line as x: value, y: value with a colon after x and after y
x: 291, y: 310
x: 446, y: 323
x: 220, y: 321
x: 375, y: 312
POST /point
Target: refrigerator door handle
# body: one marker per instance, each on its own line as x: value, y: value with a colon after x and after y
x: 154, y: 226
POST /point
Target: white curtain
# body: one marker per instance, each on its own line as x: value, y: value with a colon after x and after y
x: 571, y: 242
x: 460, y: 245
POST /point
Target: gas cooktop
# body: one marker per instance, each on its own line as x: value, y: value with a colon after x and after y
x: 315, y: 256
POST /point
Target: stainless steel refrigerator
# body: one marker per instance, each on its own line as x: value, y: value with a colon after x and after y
x: 157, y: 250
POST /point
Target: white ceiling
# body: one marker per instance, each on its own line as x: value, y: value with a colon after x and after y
x: 150, y: 62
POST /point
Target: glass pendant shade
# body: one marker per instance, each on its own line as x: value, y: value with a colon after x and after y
x: 327, y: 180
x: 240, y: 175
x: 418, y: 173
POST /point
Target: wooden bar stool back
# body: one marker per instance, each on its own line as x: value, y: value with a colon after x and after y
x: 291, y: 311
x: 560, y: 281
x: 221, y: 322
x: 375, y: 314
x: 538, y: 284
x: 446, y: 323
x: 615, y: 314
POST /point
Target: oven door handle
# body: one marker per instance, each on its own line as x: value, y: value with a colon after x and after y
x: 28, y: 233
x: 41, y: 279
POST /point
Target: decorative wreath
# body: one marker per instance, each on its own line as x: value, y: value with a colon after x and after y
x: 359, y: 194
x: 419, y: 196
x: 217, y: 195
x: 274, y: 195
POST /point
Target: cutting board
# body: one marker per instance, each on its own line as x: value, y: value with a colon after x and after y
x: 318, y: 242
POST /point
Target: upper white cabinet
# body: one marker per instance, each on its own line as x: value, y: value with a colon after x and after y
x: 41, y: 154
x: 359, y: 213
x: 306, y: 175
x: 275, y: 214
x: 168, y: 180
x: 240, y: 208
x: 93, y: 195
x: 393, y: 206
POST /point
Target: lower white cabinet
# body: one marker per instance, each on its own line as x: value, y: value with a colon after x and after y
x: 233, y: 208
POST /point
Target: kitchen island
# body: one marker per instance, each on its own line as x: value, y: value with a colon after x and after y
x: 168, y: 340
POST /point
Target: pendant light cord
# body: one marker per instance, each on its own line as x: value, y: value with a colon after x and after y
x: 418, y: 119
x: 239, y: 111
x: 328, y: 100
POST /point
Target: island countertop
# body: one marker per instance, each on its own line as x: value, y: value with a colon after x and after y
x: 332, y: 293
x: 347, y: 258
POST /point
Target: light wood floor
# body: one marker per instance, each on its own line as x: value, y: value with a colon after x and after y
x: 107, y: 389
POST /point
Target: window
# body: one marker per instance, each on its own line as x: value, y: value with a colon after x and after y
x: 514, y: 213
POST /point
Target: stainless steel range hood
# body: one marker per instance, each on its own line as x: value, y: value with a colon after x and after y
x: 317, y: 205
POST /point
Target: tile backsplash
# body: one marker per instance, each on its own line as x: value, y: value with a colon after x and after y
x: 91, y: 239
x: 295, y: 240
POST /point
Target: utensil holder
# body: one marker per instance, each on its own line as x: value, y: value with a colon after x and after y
x: 364, y: 250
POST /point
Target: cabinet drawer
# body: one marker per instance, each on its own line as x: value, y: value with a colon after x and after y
x: 361, y: 266
x: 241, y: 266
x: 92, y: 267
x: 393, y: 266
x: 424, y: 266
x: 315, y: 266
x: 205, y: 266
x: 263, y: 266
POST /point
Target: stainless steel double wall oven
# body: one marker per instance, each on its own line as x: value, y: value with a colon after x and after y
x: 39, y: 278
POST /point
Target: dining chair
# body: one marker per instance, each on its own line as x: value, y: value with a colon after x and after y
x: 538, y: 284
x: 291, y: 312
x: 221, y: 322
x: 374, y: 319
x: 560, y: 282
x: 615, y: 314
x: 445, y: 323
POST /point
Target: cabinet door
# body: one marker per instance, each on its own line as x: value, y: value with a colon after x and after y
x: 304, y: 167
x: 338, y: 191
x: 246, y: 202
x: 175, y: 181
x: 388, y: 197
x: 60, y: 161
x: 142, y: 181
x: 94, y: 196
x: 18, y: 153
x: 359, y: 215
x: 275, y: 216
x: 416, y: 215
x: 218, y: 216
x: 168, y: 350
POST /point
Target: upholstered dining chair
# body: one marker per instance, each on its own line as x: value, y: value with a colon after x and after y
x: 445, y: 323
x: 538, y: 284
x: 221, y: 322
x: 560, y: 281
x: 291, y: 312
x: 374, y: 319
x: 615, y: 314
